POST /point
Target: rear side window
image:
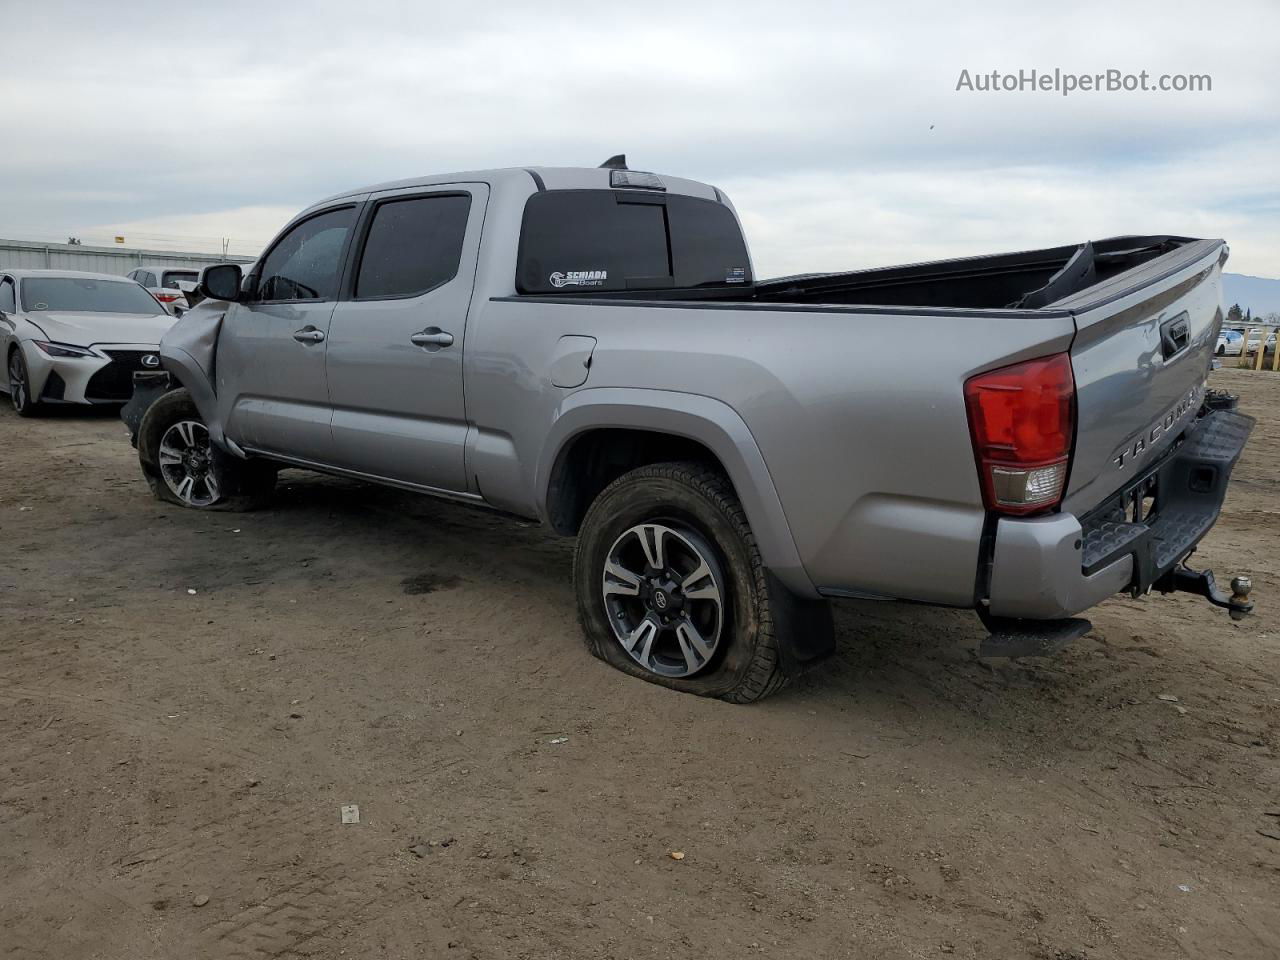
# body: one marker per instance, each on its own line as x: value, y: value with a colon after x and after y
x: 305, y: 264
x: 413, y: 246
x: 8, y: 303
x: 146, y: 279
x: 604, y: 240
x: 171, y: 278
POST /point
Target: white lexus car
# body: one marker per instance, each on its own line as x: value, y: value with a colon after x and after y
x: 75, y: 337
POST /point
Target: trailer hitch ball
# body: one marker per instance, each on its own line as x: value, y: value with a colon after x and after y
x: 1240, y: 587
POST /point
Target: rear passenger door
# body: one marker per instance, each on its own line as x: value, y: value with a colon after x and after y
x: 395, y: 344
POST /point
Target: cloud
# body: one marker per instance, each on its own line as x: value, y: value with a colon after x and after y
x: 838, y: 130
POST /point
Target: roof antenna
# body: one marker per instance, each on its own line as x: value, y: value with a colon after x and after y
x: 616, y: 162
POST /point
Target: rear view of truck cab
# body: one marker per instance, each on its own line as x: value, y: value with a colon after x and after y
x: 1104, y: 466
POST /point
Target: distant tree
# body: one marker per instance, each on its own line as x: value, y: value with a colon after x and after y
x: 1248, y: 315
x: 1235, y: 314
x: 74, y: 241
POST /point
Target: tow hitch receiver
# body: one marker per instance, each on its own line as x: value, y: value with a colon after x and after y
x: 1201, y: 583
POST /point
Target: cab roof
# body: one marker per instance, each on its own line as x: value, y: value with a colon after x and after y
x: 534, y: 178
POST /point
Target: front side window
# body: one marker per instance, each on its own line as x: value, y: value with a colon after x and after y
x: 77, y: 294
x: 305, y: 265
x: 413, y: 246
x: 8, y: 302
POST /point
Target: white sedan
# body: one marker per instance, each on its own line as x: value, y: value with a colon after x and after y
x: 1255, y: 336
x: 75, y: 337
x: 1230, y: 343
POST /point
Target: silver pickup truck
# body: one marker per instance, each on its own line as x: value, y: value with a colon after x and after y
x: 591, y: 347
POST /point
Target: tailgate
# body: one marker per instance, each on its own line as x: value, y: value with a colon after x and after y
x: 1143, y: 350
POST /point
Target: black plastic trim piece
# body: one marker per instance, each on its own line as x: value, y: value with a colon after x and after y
x: 779, y: 307
x: 537, y: 179
x: 1030, y: 638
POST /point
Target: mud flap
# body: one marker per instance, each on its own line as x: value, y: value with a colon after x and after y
x: 804, y: 628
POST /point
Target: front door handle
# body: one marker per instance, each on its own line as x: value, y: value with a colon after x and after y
x: 308, y: 334
x: 432, y: 337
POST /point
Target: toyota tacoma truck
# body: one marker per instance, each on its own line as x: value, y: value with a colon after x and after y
x: 592, y: 348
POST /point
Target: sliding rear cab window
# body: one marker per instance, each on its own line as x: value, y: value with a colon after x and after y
x: 596, y: 241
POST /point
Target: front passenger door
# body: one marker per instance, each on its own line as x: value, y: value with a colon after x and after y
x: 271, y: 350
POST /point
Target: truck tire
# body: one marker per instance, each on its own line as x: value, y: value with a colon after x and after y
x: 671, y: 588
x: 183, y: 467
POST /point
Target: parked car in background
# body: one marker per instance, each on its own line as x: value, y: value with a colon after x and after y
x: 75, y: 337
x: 1230, y: 343
x: 590, y: 347
x: 162, y: 282
x: 1255, y: 337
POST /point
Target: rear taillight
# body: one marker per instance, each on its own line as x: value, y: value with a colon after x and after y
x: 1022, y: 419
x: 167, y: 297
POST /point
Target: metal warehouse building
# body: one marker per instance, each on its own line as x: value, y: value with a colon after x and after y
x: 33, y: 255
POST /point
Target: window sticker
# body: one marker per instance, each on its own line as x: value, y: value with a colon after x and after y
x: 579, y: 278
x: 735, y: 275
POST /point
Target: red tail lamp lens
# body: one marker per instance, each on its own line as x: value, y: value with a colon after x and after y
x: 1022, y: 420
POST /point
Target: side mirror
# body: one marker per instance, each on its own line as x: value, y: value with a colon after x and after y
x: 221, y: 282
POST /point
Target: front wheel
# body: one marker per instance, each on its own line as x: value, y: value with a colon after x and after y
x: 1222, y: 351
x: 671, y: 588
x: 182, y: 465
x: 24, y: 405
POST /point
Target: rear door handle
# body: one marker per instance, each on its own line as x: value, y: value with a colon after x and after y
x: 308, y: 334
x: 432, y: 337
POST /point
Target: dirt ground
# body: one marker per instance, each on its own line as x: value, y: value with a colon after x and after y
x: 187, y: 701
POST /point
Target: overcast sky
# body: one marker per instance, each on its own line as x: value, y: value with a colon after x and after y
x: 837, y: 128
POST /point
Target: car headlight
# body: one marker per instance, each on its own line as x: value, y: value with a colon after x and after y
x: 63, y: 349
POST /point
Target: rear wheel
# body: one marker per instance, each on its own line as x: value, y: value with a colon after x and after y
x: 1222, y: 350
x: 671, y: 587
x: 20, y: 385
x: 182, y: 465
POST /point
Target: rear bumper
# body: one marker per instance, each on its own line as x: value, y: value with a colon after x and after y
x: 1057, y: 566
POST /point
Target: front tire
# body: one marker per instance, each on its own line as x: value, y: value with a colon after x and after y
x: 24, y: 405
x: 671, y: 587
x: 183, y: 467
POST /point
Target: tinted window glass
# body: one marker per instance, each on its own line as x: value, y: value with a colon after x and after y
x: 413, y: 245
x: 7, y: 303
x: 601, y: 240
x: 305, y: 264
x: 146, y: 278
x: 707, y: 244
x: 171, y: 278
x: 91, y: 296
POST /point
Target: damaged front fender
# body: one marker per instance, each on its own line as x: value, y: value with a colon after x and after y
x: 188, y: 354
